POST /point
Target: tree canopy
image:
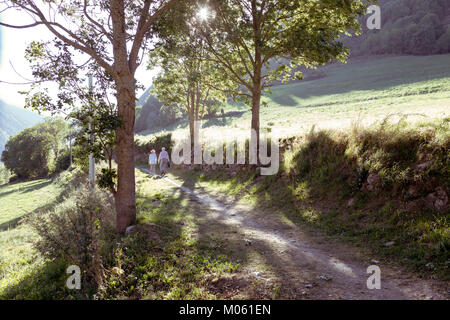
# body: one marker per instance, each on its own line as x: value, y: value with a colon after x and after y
x: 247, y: 37
x: 34, y: 152
x: 115, y: 35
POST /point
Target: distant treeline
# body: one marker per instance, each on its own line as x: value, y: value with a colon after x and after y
x: 415, y: 27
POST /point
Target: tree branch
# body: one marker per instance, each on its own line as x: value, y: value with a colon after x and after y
x: 144, y: 25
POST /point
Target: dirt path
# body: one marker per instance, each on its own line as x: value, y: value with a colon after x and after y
x: 310, y: 267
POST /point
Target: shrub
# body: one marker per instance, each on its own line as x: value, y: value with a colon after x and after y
x: 63, y: 161
x: 144, y: 145
x: 210, y: 108
x: 389, y: 150
x: 77, y: 232
x: 33, y: 152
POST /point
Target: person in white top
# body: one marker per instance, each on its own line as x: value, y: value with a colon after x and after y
x: 164, y: 161
x: 152, y: 160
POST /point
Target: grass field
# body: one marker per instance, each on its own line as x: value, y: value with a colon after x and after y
x: 182, y: 262
x: 20, y: 199
x: 363, y: 91
x: 17, y: 257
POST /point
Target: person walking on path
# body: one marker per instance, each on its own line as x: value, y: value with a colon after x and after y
x: 152, y: 160
x: 164, y: 161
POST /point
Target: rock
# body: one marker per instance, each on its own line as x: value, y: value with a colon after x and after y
x: 375, y: 261
x: 389, y: 243
x: 373, y: 181
x: 325, y: 277
x: 130, y: 229
x: 430, y: 265
x: 423, y: 166
x: 248, y: 242
x: 413, y: 191
x: 215, y: 280
x: 258, y: 273
x: 429, y: 200
x: 437, y: 200
x: 442, y: 200
x: 350, y: 202
x: 308, y: 286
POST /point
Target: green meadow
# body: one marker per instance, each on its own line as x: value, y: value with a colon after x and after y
x: 361, y: 91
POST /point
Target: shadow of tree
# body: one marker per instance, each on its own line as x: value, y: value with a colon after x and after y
x: 323, y: 189
x: 215, y: 224
x: 376, y: 75
x: 33, y: 186
x: 17, y: 221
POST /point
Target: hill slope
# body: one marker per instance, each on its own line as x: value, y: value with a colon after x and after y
x: 362, y: 90
x: 13, y: 120
x: 413, y: 27
x: 407, y: 27
x: 147, y: 112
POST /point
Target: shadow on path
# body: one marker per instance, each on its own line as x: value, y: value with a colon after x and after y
x: 300, y: 264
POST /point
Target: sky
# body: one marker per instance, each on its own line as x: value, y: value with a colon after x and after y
x: 12, y: 49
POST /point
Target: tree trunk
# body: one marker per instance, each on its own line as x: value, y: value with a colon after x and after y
x: 125, y: 197
x: 191, y: 116
x: 257, y: 74
x: 192, y: 135
x: 70, y: 152
x: 256, y: 103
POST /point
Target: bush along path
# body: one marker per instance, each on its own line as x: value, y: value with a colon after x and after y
x: 294, y: 262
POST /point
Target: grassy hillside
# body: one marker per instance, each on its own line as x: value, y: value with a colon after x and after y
x: 147, y: 112
x: 364, y: 90
x: 18, y: 258
x: 13, y: 120
x: 151, y: 263
x: 407, y: 27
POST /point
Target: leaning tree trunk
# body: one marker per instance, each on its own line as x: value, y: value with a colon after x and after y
x: 125, y: 196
